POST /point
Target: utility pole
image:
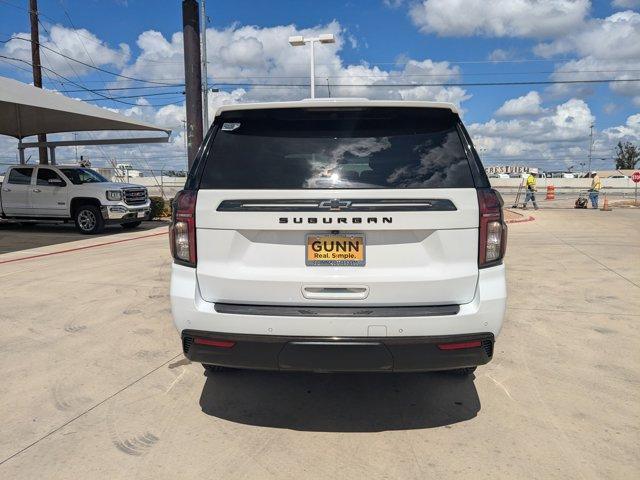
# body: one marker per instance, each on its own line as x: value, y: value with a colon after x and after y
x: 205, y: 83
x: 590, y: 147
x: 192, y: 77
x: 37, y: 67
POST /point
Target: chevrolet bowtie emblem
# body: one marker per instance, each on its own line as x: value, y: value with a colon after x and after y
x: 335, y: 205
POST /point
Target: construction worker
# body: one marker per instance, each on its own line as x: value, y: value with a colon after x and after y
x: 594, y: 190
x: 530, y: 184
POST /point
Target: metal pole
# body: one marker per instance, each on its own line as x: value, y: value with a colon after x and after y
x: 590, y: 146
x: 313, y: 70
x: 37, y: 66
x: 205, y: 84
x: 53, y: 155
x: 21, y: 151
x: 192, y: 77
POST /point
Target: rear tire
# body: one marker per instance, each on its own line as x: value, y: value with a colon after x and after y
x: 88, y: 219
x: 130, y: 225
x: 462, y: 372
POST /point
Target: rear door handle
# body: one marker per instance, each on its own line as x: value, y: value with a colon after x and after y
x: 335, y: 292
x: 37, y: 190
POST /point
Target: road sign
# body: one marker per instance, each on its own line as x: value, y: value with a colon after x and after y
x: 635, y: 177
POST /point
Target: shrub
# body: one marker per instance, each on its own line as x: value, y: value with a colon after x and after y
x: 157, y: 207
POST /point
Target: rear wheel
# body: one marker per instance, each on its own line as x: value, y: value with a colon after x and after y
x: 130, y: 225
x: 463, y: 372
x: 89, y: 219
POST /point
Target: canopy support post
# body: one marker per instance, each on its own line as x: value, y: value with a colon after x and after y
x: 21, y: 151
x: 52, y: 154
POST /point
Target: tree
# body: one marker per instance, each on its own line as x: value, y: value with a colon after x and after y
x: 627, y: 156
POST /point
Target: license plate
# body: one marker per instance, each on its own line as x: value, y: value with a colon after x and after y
x: 344, y: 250
x: 141, y: 214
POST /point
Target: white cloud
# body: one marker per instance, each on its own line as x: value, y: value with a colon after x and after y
x: 628, y: 132
x: 529, y: 104
x: 250, y: 55
x: 559, y: 133
x: 80, y: 44
x: 499, y: 18
x: 625, y: 3
x: 500, y: 54
x: 609, y: 48
x: 614, y: 37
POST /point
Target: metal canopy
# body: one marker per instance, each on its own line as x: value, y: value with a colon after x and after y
x: 26, y: 110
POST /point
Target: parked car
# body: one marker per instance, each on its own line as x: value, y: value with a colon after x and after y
x: 347, y: 235
x: 63, y: 193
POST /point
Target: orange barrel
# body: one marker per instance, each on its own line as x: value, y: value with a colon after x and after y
x: 551, y: 192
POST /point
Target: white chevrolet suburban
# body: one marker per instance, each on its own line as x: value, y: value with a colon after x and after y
x: 48, y: 192
x: 344, y: 235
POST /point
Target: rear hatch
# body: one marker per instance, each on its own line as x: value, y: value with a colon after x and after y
x: 318, y: 206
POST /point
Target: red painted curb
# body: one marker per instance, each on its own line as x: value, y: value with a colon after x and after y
x: 530, y: 219
x: 82, y: 248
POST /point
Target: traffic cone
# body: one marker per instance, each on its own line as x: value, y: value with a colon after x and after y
x: 605, y: 206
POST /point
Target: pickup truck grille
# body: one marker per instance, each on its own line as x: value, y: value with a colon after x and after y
x: 135, y: 196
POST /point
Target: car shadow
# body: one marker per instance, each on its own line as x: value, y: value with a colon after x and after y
x: 340, y: 402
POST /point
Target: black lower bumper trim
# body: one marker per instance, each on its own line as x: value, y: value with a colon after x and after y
x: 343, y: 354
x: 313, y: 311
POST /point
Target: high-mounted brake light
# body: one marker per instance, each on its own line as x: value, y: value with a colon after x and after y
x: 182, y: 232
x: 492, y: 234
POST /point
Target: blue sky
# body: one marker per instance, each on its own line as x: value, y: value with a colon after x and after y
x: 383, y: 42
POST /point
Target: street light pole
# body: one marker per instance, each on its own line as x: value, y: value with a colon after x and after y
x: 299, y: 40
x: 313, y: 70
x: 590, y: 147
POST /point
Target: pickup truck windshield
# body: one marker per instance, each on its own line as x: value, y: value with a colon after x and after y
x: 78, y: 176
x: 337, y: 148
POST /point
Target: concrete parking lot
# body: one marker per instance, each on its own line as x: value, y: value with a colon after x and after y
x: 94, y: 383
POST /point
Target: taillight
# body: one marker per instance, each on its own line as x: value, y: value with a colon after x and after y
x: 493, y: 230
x: 182, y: 232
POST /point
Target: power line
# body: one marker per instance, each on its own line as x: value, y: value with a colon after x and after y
x: 94, y: 66
x: 106, y: 97
x: 453, y: 84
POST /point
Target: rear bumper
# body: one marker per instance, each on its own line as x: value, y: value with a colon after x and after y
x: 338, y: 354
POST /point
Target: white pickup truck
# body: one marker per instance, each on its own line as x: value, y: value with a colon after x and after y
x: 47, y: 192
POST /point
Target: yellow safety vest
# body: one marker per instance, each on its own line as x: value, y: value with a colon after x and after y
x: 531, y: 182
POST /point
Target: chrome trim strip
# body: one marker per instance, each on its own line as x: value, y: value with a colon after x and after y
x: 315, y: 311
x: 339, y: 205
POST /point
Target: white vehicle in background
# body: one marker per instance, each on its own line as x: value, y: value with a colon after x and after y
x: 126, y: 170
x: 344, y: 235
x: 64, y: 193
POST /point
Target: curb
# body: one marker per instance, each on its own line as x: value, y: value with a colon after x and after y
x: 529, y: 219
x: 40, y: 255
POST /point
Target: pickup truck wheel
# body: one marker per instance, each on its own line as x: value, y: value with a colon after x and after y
x: 130, y: 225
x: 89, y: 219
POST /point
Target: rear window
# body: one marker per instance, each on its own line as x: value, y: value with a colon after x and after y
x: 336, y: 148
